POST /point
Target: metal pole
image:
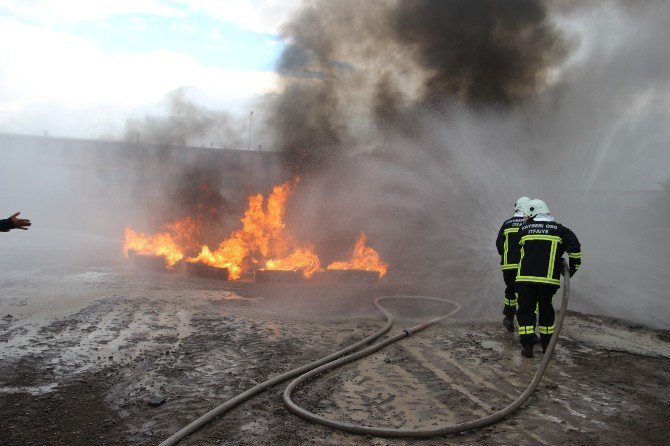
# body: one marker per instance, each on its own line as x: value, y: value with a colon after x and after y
x: 251, y: 113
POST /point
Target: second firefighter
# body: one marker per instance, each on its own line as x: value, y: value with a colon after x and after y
x: 543, y: 242
x: 508, y: 247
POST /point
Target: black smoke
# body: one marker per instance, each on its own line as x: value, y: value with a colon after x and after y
x: 187, y: 123
x: 176, y: 175
x: 355, y: 70
x: 480, y: 52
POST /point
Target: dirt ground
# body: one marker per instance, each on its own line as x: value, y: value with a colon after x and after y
x: 83, y: 353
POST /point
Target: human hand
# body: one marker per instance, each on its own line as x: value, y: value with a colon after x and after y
x: 20, y: 223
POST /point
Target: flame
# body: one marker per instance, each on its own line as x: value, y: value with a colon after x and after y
x: 303, y: 258
x: 262, y: 240
x: 363, y: 258
x: 263, y: 236
x: 230, y: 254
x: 171, y: 244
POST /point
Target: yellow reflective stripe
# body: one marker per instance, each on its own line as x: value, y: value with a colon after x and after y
x: 526, y: 329
x: 552, y: 259
x: 538, y: 279
x: 545, y: 329
x: 511, y: 302
x: 518, y: 269
x: 507, y: 232
x: 575, y: 255
x: 549, y: 238
x: 505, y: 248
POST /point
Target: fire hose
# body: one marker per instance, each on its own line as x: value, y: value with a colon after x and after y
x: 337, y: 359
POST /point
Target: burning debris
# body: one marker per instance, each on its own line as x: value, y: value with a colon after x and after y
x: 277, y: 276
x: 263, y: 247
x: 202, y: 270
x: 144, y: 262
x: 364, y: 258
x: 171, y: 244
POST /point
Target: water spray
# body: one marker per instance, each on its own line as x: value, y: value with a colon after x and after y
x: 337, y: 359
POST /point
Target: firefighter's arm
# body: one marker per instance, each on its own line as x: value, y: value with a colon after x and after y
x: 500, y: 240
x: 6, y: 224
x: 574, y: 250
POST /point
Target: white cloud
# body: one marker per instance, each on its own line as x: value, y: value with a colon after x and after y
x: 50, y: 79
x: 263, y: 16
x: 40, y: 66
x: 53, y: 11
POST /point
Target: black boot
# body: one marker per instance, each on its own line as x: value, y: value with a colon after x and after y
x: 545, y: 339
x: 508, y: 322
x: 527, y: 351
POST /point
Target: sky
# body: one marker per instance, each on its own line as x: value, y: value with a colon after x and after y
x: 80, y: 68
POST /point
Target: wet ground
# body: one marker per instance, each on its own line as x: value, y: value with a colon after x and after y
x: 82, y: 355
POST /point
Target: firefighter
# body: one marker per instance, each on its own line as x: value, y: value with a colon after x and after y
x: 508, y: 247
x: 14, y: 222
x: 543, y: 242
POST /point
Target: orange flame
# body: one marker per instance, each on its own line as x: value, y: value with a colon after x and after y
x: 363, y: 258
x: 262, y: 240
x: 171, y: 244
x: 263, y: 236
x: 302, y: 258
x: 230, y: 254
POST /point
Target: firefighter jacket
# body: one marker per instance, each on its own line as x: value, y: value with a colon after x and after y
x: 508, y: 242
x: 543, y: 242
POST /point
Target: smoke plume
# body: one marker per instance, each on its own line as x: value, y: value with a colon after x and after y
x: 423, y: 121
x: 179, y: 185
x: 186, y: 123
x: 353, y: 71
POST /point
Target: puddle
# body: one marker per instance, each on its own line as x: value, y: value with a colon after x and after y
x: 33, y: 390
x: 616, y: 338
x: 229, y: 295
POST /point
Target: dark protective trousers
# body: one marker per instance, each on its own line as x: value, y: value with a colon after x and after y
x: 534, y: 296
x: 510, y: 292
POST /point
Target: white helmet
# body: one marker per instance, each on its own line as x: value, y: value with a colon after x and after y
x: 520, y: 203
x: 534, y: 207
